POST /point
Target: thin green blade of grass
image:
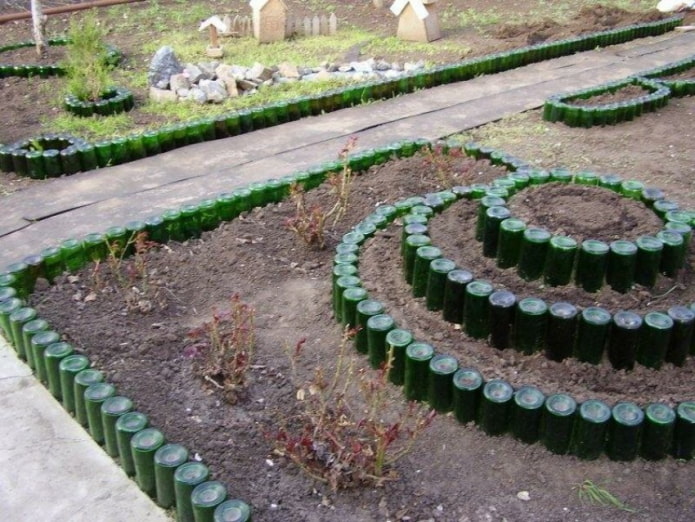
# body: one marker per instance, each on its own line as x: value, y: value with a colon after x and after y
x: 597, y: 495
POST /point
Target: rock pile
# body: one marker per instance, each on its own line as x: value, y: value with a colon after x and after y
x: 214, y: 82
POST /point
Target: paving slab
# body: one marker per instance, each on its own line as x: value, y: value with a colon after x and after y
x: 44, y: 446
x: 51, y: 468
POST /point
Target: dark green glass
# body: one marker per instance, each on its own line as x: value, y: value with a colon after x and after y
x: 681, y: 334
x: 485, y: 203
x: 172, y: 223
x: 663, y: 206
x: 104, y: 154
x: 207, y: 215
x: 632, y: 189
x: 117, y: 239
x: 166, y: 459
x: 592, y: 334
x: 624, y: 431
x: 346, y: 259
x: 530, y: 325
x: 128, y: 425
x: 143, y: 446
x: 52, y: 263
x: 7, y: 308
x: 502, y: 304
x: 455, y: 295
x: 417, y: 361
x: 657, y: 431
x: 650, y: 195
x: 586, y: 178
x: 233, y: 510
x: 378, y: 327
x: 622, y: 261
x: 82, y: 381
x: 205, y: 498
x: 526, y: 411
x: 476, y: 310
x: 186, y: 477
x: 436, y: 282
x: 88, y: 157
x: 648, y: 260
x: 29, y: 330
x: 341, y: 284
x: 36, y: 168
x: 16, y: 320
x: 111, y: 410
x: 511, y: 232
x: 53, y: 355
x: 684, y: 433
x: 559, y: 261
x: 94, y: 397
x: 38, y: 344
x: 538, y: 176
x: 73, y: 255
x: 95, y: 246
x: 624, y: 339
x: 562, y: 330
x: 562, y: 175
x: 351, y: 297
x: 226, y: 206
x: 68, y: 368
x: 655, y: 337
x: 592, y: 262
x: 467, y: 386
x: 590, y: 428
x: 412, y: 244
x: 672, y: 254
x: 534, y: 247
x: 70, y: 160
x: 412, y: 229
x: 397, y: 341
x: 23, y: 284
x: 495, y: 406
x: 156, y: 229
x: 440, y: 393
x: 610, y: 182
x: 557, y: 423
x: 682, y: 229
x: 421, y: 267
x: 494, y: 216
x: 190, y: 221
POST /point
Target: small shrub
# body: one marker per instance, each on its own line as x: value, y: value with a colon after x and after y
x: 447, y: 176
x: 225, y: 345
x: 309, y: 224
x: 86, y: 64
x: 350, y: 428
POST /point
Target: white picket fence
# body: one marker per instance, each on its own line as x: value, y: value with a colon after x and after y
x: 242, y: 26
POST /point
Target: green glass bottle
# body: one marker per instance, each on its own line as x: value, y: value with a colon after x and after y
x: 82, y: 381
x: 592, y: 262
x: 397, y: 341
x: 672, y: 254
x: 502, y: 305
x: 68, y: 368
x: 350, y: 299
x: 684, y: 433
x: 655, y: 337
x: 16, y: 321
x: 421, y: 268
x: 562, y: 331
x: 412, y: 244
x: 186, y: 477
x: 526, y: 411
x: 38, y: 344
x: 511, y: 233
x: 590, y: 428
x: 557, y: 423
x: 485, y: 203
x: 436, y: 282
x: 624, y: 339
x: 143, y: 446
x: 681, y: 334
x: 111, y: 410
x: 495, y: 406
x: 624, y: 431
x: 632, y: 189
x: 534, y: 247
x: 454, y: 295
x: 166, y: 459
x: 53, y: 355
x: 648, y: 260
x: 73, y: 255
x: 440, y: 394
x: 592, y: 334
x: 530, y: 325
x: 657, y: 431
x: 559, y: 261
x: 468, y: 385
x: 205, y: 498
x: 94, y: 397
x: 378, y: 327
x: 622, y: 261
x: 128, y: 425
x: 417, y: 360
x: 365, y: 310
x: 232, y: 510
x: 341, y: 284
x: 476, y: 310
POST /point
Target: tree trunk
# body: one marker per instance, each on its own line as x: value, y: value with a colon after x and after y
x: 39, y: 25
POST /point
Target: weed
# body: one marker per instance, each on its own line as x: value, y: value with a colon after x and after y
x: 447, y: 177
x: 226, y: 344
x: 344, y: 436
x: 130, y: 275
x: 600, y: 496
x: 86, y: 63
x: 309, y: 223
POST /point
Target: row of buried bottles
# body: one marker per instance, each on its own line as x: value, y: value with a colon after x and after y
x: 162, y: 470
x: 560, y: 259
x: 113, y: 101
x: 44, y: 70
x: 568, y: 110
x: 678, y: 86
x: 587, y: 430
x: 136, y: 146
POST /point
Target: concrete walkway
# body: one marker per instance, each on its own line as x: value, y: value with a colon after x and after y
x: 51, y: 469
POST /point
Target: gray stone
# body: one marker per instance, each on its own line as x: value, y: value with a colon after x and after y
x: 183, y: 93
x: 382, y: 65
x: 197, y: 95
x: 288, y: 70
x: 247, y: 85
x: 391, y: 74
x: 365, y: 66
x: 162, y: 95
x: 194, y: 73
x: 215, y: 90
x: 345, y: 68
x: 260, y: 72
x: 409, y: 66
x: 163, y: 65
x: 225, y: 74
x: 239, y: 71
x: 179, y: 81
x: 208, y: 69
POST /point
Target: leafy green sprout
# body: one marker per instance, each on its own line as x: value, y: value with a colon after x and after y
x: 597, y: 495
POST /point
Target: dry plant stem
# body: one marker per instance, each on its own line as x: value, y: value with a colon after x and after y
x: 350, y: 428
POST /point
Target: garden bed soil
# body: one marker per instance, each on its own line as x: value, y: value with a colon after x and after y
x: 454, y: 472
x: 629, y: 92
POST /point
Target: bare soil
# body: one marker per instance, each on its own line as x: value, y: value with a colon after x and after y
x: 454, y: 472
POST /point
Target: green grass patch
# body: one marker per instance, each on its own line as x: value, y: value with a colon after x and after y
x: 596, y: 495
